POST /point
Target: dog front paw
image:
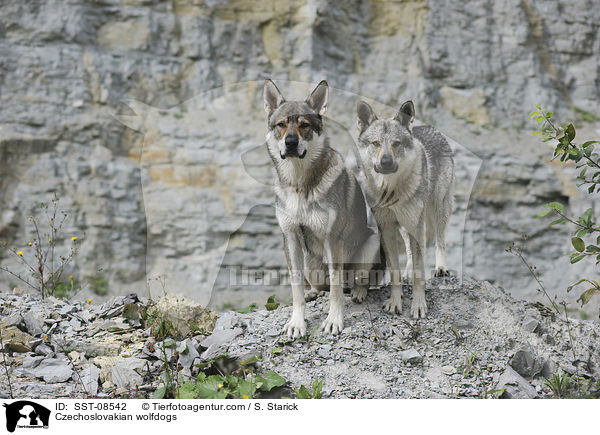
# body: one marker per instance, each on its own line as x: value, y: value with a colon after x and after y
x: 441, y: 272
x: 333, y: 324
x: 359, y: 294
x: 393, y: 305
x: 418, y: 307
x: 295, y: 328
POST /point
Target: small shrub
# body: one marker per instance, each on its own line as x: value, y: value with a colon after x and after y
x: 38, y: 257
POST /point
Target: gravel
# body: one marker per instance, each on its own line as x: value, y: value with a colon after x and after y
x: 476, y: 341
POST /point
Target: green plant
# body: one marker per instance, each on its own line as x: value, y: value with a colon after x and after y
x: 304, y: 393
x: 559, y: 385
x: 234, y: 386
x: 249, y: 309
x: 586, y: 236
x: 10, y: 390
x: 469, y: 367
x: 585, y: 115
x: 64, y: 289
x: 99, y: 286
x: 39, y: 258
x: 271, y: 303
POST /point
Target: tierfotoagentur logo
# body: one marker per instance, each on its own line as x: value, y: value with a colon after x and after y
x: 24, y: 414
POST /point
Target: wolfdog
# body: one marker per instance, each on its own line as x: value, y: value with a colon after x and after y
x: 410, y: 178
x: 319, y: 205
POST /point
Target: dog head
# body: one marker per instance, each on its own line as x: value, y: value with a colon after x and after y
x: 388, y: 144
x: 293, y: 125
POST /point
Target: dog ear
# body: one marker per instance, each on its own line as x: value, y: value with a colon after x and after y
x: 365, y: 115
x: 406, y: 115
x: 272, y: 96
x: 319, y: 97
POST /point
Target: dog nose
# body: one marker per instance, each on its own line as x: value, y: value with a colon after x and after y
x: 291, y: 140
x: 386, y: 161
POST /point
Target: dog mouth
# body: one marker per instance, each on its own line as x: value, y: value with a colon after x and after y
x: 385, y: 169
x: 294, y: 153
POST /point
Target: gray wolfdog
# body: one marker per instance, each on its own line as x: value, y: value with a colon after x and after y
x: 410, y: 179
x: 319, y: 206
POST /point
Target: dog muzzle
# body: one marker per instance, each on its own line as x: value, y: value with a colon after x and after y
x: 292, y: 153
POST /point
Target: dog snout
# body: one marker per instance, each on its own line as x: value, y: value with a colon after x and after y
x: 291, y: 141
x: 386, y: 161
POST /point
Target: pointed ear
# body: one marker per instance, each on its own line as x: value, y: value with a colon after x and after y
x: 365, y: 115
x: 406, y: 114
x: 319, y: 97
x: 272, y: 96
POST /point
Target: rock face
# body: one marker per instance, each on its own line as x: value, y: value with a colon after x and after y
x: 163, y: 197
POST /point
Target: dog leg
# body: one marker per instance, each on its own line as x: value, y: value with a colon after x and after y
x: 296, y: 327
x: 441, y: 224
x: 315, y: 276
x: 334, y: 323
x: 440, y: 256
x: 408, y: 270
x: 417, y: 246
x: 390, y: 237
x: 363, y: 262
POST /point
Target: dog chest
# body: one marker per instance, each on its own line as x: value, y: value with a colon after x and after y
x: 295, y: 208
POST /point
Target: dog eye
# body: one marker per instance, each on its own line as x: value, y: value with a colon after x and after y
x: 281, y: 124
x: 376, y: 144
x: 396, y: 144
x: 304, y: 125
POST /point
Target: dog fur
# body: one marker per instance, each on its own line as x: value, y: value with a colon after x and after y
x: 320, y: 206
x: 410, y: 179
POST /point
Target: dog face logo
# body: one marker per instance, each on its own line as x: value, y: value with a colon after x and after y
x: 387, y: 143
x: 293, y: 124
x: 26, y: 414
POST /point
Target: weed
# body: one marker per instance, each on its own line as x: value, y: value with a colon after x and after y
x: 39, y: 258
x: 559, y: 385
x: 249, y: 309
x: 305, y: 393
x: 99, y: 286
x: 6, y: 368
x: 271, y: 303
x: 470, y: 361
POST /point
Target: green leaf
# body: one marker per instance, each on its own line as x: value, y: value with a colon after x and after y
x: 159, y: 393
x: 187, y: 391
x: 271, y: 304
x: 536, y: 133
x: 232, y: 381
x: 249, y: 361
x: 593, y: 282
x: 534, y: 114
x: 277, y: 350
x: 270, y: 380
x: 303, y: 393
x: 558, y: 221
x: 570, y: 132
x: 587, y: 295
x: 576, y: 258
x: 545, y: 213
x: 317, y: 389
x: 556, y: 206
x: 249, y: 309
x: 578, y: 244
x: 246, y: 389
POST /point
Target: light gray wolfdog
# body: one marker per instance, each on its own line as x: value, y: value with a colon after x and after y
x: 319, y: 205
x: 410, y: 180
